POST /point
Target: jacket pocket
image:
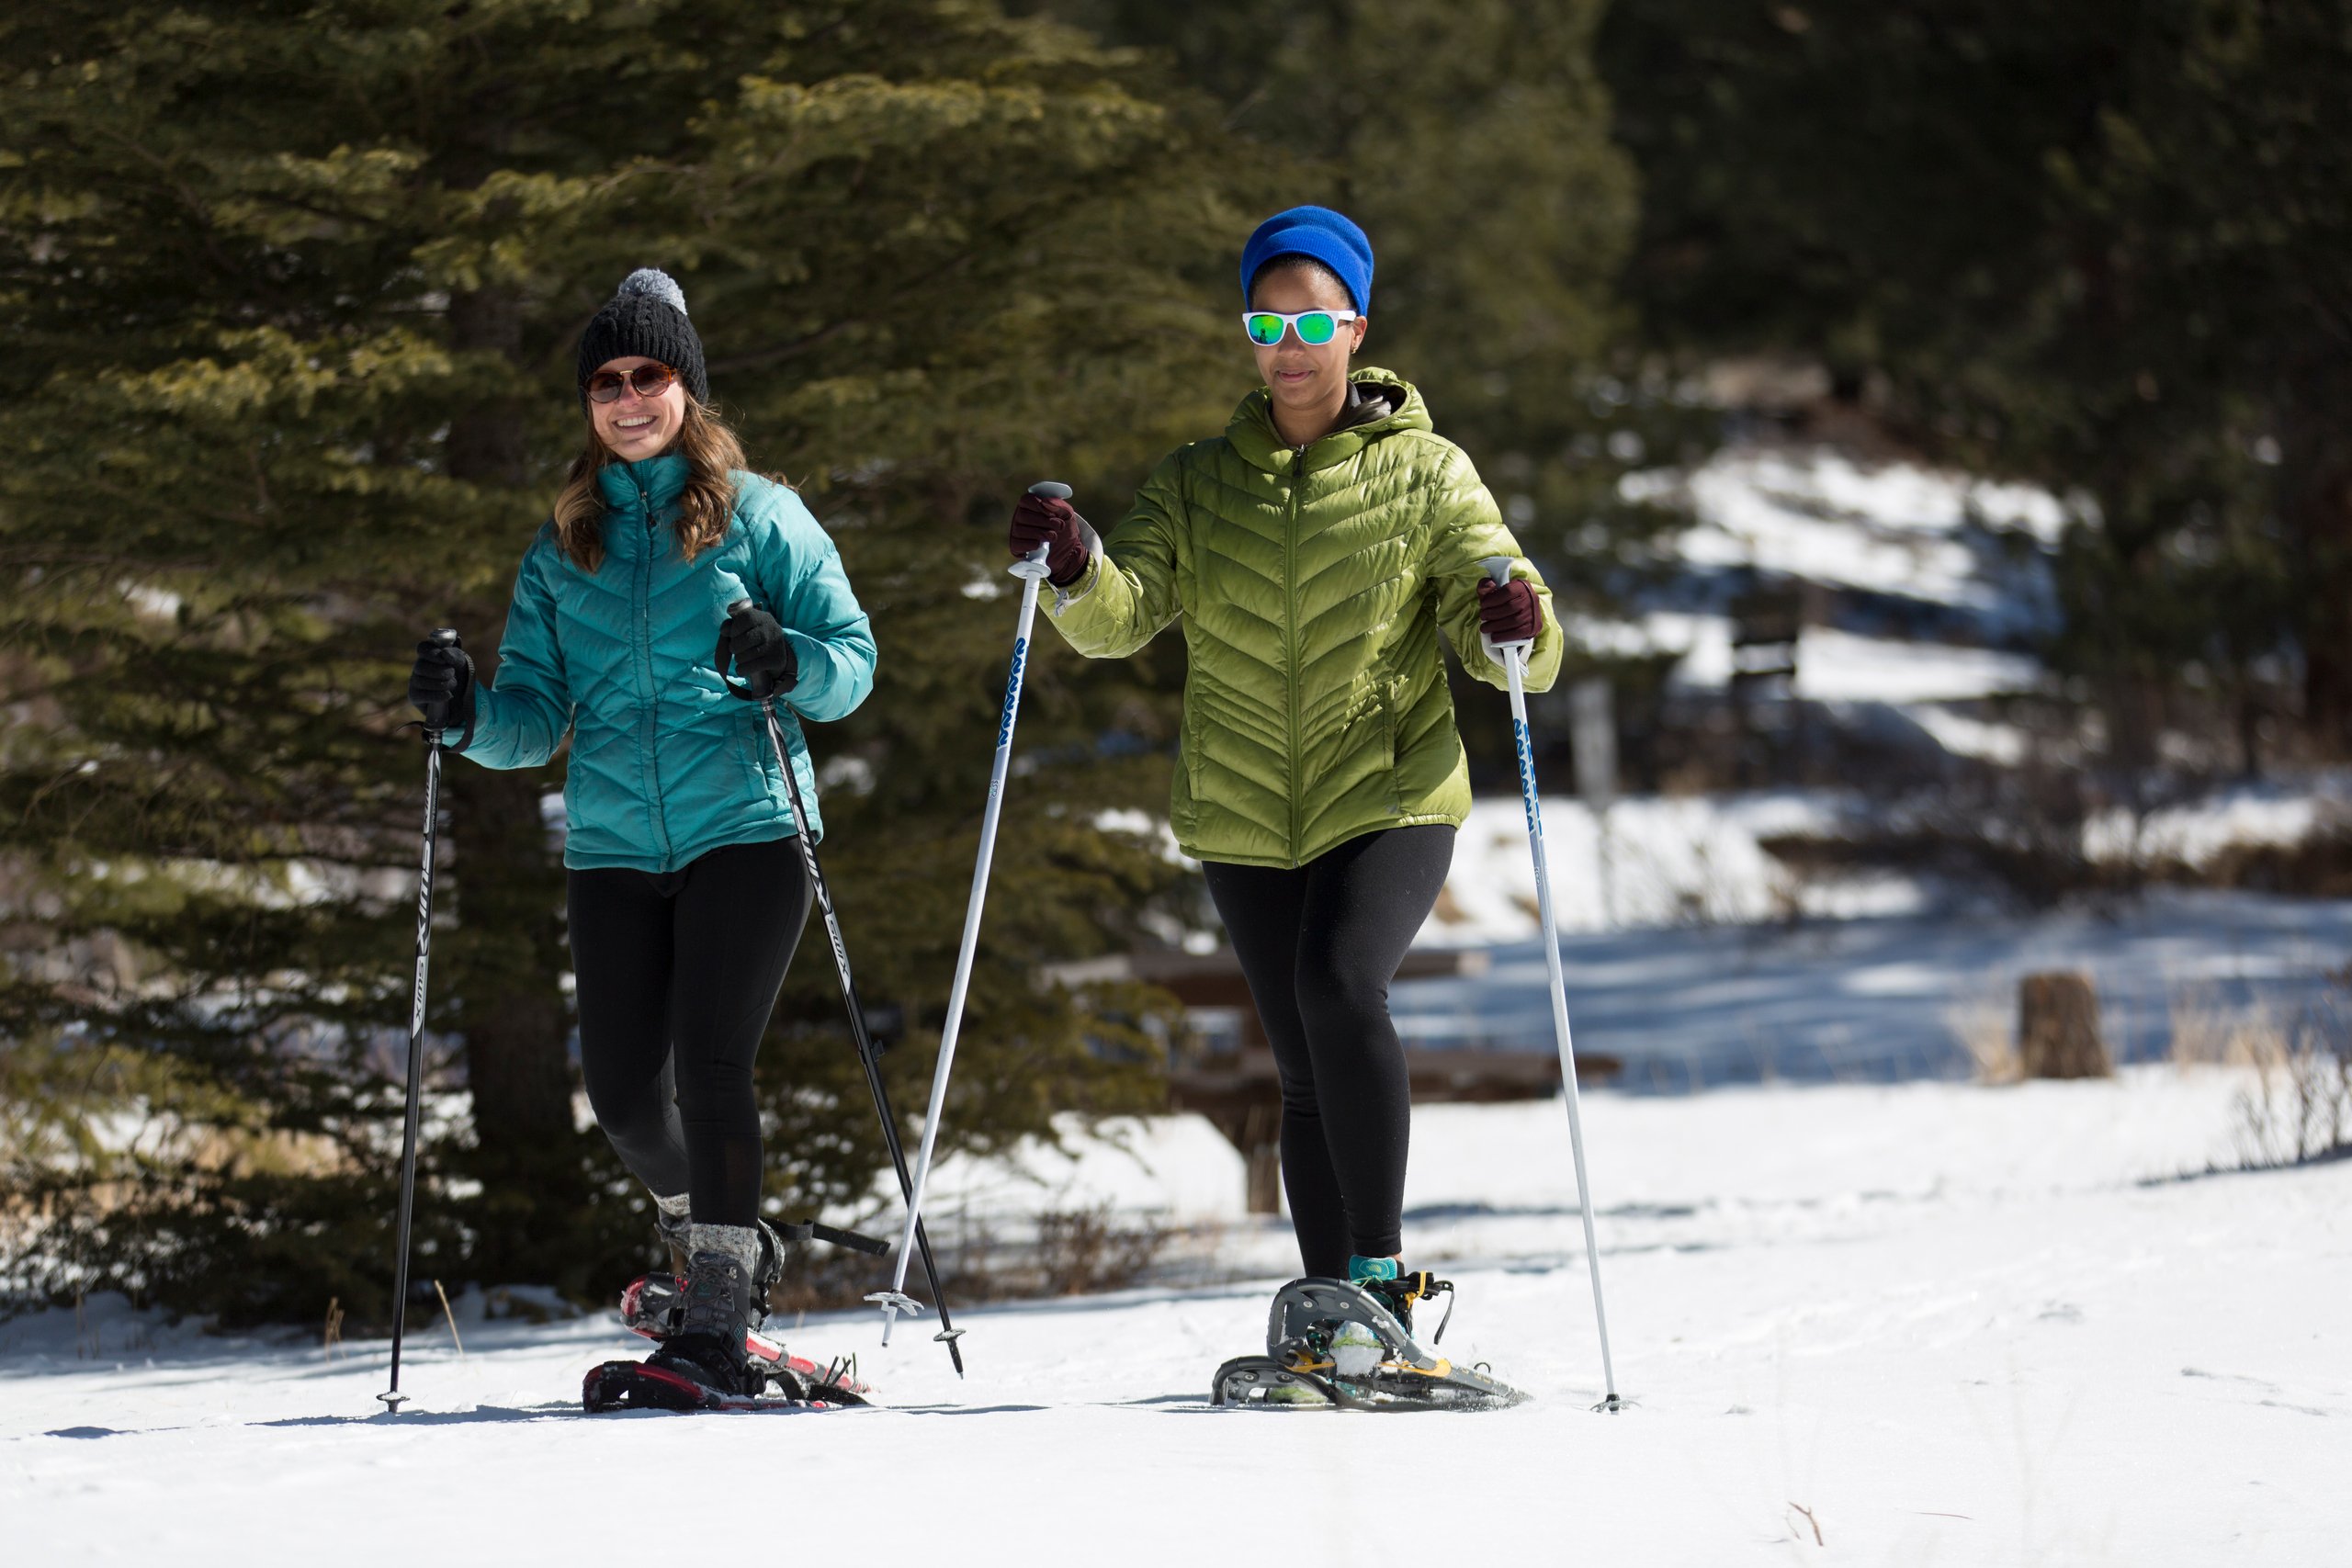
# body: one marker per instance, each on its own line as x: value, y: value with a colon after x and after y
x: 1388, y: 727
x: 1184, y: 814
x: 751, y: 754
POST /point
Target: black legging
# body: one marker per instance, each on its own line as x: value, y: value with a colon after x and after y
x: 677, y: 974
x: 1318, y: 946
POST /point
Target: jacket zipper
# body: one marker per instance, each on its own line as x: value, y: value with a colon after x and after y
x: 650, y: 724
x: 1290, y: 626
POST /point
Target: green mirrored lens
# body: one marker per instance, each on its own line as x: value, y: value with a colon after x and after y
x: 1316, y: 327
x: 1266, y: 331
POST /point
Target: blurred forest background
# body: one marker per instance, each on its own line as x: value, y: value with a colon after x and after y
x: 292, y: 290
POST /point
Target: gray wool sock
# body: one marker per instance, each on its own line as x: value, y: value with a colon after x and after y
x: 675, y: 1206
x: 741, y: 1243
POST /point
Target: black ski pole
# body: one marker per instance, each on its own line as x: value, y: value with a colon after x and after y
x: 869, y: 1055
x: 393, y: 1397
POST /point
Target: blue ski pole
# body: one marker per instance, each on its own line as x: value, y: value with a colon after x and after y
x: 1512, y: 657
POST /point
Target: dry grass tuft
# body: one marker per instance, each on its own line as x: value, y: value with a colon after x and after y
x: 1983, y: 1020
x: 2296, y: 1104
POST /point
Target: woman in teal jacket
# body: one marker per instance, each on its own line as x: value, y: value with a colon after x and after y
x: 685, y: 893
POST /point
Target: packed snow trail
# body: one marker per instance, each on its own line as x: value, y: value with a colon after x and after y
x: 1951, y: 1324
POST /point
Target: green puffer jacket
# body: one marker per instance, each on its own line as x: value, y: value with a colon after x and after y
x: 1314, y: 585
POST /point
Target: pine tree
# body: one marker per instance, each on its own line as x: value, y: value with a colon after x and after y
x: 293, y: 290
x: 2101, y: 245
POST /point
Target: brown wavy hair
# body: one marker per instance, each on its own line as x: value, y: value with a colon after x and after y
x: 712, y: 452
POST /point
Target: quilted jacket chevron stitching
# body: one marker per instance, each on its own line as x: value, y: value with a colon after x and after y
x: 664, y: 766
x: 1392, y: 525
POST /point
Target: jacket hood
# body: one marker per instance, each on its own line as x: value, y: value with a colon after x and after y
x: 1380, y: 403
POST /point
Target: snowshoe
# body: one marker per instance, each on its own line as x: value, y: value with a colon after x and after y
x: 704, y: 1365
x: 791, y: 1382
x: 1262, y: 1379
x: 651, y: 1386
x: 1331, y: 1342
x: 655, y: 1305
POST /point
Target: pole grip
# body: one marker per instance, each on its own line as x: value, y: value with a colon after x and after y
x: 1497, y: 571
x: 445, y: 637
x: 720, y: 661
x: 1032, y: 565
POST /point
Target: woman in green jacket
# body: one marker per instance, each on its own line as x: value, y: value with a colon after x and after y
x: 1316, y: 552
x: 687, y: 894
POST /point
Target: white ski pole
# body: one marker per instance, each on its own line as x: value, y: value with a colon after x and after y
x: 1512, y: 657
x: 1031, y: 571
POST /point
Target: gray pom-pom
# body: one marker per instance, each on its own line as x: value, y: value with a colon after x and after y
x: 655, y: 284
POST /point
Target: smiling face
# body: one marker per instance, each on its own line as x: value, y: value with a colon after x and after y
x: 632, y: 427
x: 1309, y: 382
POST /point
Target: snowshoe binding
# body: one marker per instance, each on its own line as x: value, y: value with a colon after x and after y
x: 656, y: 1306
x: 1330, y: 1342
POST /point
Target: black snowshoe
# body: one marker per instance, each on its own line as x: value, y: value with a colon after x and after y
x: 655, y: 1306
x: 712, y: 1356
x: 1331, y: 1343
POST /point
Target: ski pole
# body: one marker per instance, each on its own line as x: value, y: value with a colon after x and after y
x: 393, y: 1397
x: 1031, y: 571
x: 868, y: 1054
x: 1512, y: 657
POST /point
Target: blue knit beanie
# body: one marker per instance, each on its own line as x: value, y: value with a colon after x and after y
x: 1315, y: 231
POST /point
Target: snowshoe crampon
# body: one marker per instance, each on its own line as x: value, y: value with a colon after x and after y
x: 1329, y: 1342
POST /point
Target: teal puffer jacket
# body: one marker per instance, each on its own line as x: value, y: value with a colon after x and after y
x: 665, y: 764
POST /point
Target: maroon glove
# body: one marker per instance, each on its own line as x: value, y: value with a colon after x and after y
x: 1509, y: 612
x: 1042, y: 520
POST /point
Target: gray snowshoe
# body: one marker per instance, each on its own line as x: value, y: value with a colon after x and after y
x: 1351, y: 1347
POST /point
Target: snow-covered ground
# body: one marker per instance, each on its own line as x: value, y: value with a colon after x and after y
x: 1941, y: 1324
x: 1915, y: 1323
x: 1874, y: 997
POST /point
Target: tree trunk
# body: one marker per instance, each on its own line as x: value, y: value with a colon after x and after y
x: 2315, y: 499
x: 508, y: 954
x: 2058, y: 1033
x: 2322, y: 517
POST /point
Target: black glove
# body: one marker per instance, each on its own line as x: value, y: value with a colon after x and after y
x: 762, y: 654
x: 441, y: 686
x: 1069, y: 543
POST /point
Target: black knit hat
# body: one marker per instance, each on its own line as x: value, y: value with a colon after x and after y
x: 646, y: 316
